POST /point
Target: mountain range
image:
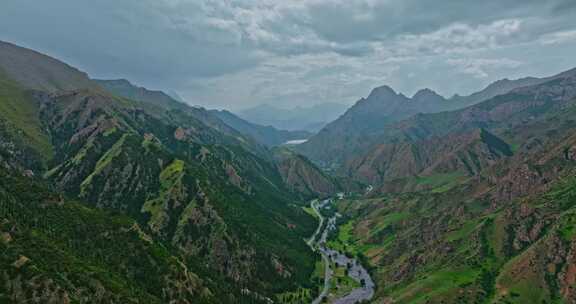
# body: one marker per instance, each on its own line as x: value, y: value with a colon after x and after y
x: 354, y: 131
x: 133, y: 197
x: 114, y: 193
x: 456, y: 136
x: 311, y: 118
x: 473, y: 205
x: 221, y: 120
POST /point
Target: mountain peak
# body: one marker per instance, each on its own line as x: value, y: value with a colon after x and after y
x: 570, y: 73
x: 382, y: 91
x: 118, y: 82
x: 425, y: 94
x: 34, y: 70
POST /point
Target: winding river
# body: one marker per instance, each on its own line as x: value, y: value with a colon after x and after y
x: 357, y: 272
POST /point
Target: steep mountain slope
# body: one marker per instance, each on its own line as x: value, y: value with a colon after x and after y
x: 431, y: 143
x: 178, y: 112
x: 203, y: 194
x: 343, y: 138
x: 462, y: 154
x: 23, y: 136
x: 57, y: 251
x: 354, y: 132
x: 124, y: 88
x: 503, y: 232
x: 494, y: 89
x: 302, y: 176
x: 435, y: 248
x: 33, y: 70
x: 268, y: 136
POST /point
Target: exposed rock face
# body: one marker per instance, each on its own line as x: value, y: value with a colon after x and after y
x: 544, y: 259
x: 303, y: 177
x: 466, y: 153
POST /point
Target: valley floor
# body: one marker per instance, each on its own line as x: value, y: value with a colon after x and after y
x: 346, y: 281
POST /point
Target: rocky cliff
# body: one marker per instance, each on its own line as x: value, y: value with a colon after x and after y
x: 303, y: 177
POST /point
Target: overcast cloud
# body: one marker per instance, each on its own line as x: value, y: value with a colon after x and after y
x: 234, y: 54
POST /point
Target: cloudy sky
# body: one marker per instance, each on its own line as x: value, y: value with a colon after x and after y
x: 239, y: 53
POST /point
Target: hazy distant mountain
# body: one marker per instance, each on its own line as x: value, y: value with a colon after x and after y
x: 266, y: 135
x: 344, y: 136
x: 499, y: 87
x: 350, y: 134
x: 176, y: 96
x: 466, y: 140
x: 223, y: 121
x: 311, y: 118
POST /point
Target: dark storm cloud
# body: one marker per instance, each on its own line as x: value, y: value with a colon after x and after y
x: 346, y: 21
x: 226, y: 52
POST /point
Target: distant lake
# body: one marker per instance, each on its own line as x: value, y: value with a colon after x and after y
x: 295, y: 142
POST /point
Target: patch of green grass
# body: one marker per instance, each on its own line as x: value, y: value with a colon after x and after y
x: 387, y: 220
x: 305, y: 295
x: 170, y: 181
x: 344, y: 240
x: 444, y: 188
x: 345, y: 232
x: 104, y: 161
x: 440, y: 183
x: 568, y: 229
x: 172, y: 173
x: 463, y: 232
x: 309, y: 210
x: 19, y: 109
x: 77, y: 159
x: 341, y: 284
x: 436, y: 284
x: 319, y: 269
x: 524, y: 290
x: 187, y: 214
x: 302, y: 295
x: 110, y: 131
x: 514, y: 147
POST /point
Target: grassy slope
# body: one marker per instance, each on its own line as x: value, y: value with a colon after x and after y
x: 259, y: 219
x: 21, y: 112
x: 479, y: 268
